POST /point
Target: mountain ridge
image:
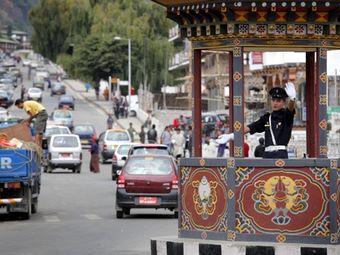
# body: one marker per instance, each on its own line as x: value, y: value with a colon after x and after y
x: 14, y: 13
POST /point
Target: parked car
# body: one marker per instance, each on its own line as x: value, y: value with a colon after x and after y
x: 147, y: 181
x: 58, y: 89
x: 119, y: 157
x: 212, y: 120
x: 144, y: 149
x: 34, y: 94
x: 66, y: 102
x: 64, y: 152
x: 5, y: 99
x: 109, y: 141
x: 85, y: 132
x: 62, y: 117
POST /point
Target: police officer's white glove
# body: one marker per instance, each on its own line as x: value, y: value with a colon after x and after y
x: 290, y: 90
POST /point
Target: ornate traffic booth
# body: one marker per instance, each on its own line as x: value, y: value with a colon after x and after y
x: 280, y: 201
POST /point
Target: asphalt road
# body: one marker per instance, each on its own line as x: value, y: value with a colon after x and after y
x: 76, y: 211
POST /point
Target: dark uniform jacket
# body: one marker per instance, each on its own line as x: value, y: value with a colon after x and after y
x: 282, y: 125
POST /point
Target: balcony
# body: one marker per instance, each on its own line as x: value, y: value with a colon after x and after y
x: 180, y: 60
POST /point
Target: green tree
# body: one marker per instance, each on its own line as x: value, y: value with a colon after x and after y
x: 59, y: 23
x: 92, y: 25
x: 99, y: 57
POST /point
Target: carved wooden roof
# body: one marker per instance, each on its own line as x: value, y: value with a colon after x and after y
x: 304, y: 23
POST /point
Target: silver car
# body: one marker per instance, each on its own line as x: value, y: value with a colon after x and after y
x: 64, y: 152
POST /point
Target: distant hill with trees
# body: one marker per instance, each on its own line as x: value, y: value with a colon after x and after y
x: 14, y: 13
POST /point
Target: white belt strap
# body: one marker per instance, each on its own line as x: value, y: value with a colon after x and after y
x: 275, y: 148
x: 271, y: 129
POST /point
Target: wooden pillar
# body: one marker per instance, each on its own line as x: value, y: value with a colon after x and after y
x: 231, y: 96
x: 322, y: 100
x: 312, y: 134
x: 197, y: 105
x: 238, y: 101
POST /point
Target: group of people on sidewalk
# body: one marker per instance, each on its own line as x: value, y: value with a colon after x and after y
x: 178, y: 140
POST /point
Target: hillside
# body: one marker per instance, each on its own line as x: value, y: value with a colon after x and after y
x: 15, y: 13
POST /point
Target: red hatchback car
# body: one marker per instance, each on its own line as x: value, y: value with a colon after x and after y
x: 147, y: 181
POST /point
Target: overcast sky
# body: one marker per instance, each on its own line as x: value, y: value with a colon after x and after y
x: 274, y: 58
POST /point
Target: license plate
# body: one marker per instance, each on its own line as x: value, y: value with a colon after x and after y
x: 148, y: 200
x: 83, y: 141
x: 65, y: 155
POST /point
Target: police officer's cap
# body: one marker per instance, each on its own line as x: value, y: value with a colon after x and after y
x: 278, y: 92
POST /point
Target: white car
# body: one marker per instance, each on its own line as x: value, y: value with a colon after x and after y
x: 34, y: 94
x: 26, y: 62
x: 56, y: 130
x: 119, y: 157
x: 64, y: 152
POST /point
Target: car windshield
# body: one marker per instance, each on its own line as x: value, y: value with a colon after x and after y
x: 117, y: 136
x: 83, y: 129
x: 148, y: 166
x: 152, y: 150
x: 62, y: 114
x: 58, y: 86
x: 55, y: 130
x: 34, y: 90
x: 66, y: 99
x: 65, y: 141
x: 123, y: 149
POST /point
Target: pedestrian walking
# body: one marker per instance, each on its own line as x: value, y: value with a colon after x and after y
x: 94, y: 161
x: 166, y: 138
x: 36, y: 111
x: 132, y: 132
x: 277, y: 125
x: 109, y: 121
x: 22, y: 92
x: 152, y: 134
x: 189, y: 143
x: 96, y: 89
x: 142, y: 134
x: 178, y: 142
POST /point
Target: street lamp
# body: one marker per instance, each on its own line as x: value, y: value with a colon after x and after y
x: 129, y: 58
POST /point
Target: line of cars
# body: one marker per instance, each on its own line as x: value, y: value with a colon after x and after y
x: 9, y: 76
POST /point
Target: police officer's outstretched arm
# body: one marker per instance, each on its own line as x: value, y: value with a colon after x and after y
x: 291, y: 92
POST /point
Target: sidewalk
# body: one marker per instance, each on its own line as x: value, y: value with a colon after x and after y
x: 105, y: 106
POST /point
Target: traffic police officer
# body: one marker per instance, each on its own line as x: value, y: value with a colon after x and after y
x: 278, y: 124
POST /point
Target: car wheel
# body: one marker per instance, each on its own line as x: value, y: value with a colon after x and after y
x: 119, y: 214
x: 102, y: 159
x: 35, y: 205
x: 176, y: 214
x: 49, y: 169
x: 114, y: 174
x: 78, y: 169
x: 27, y: 215
x: 126, y: 211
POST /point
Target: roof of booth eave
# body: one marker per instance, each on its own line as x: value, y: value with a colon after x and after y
x: 168, y: 3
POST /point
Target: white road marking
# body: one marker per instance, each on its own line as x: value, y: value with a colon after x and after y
x: 52, y: 219
x: 92, y: 217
